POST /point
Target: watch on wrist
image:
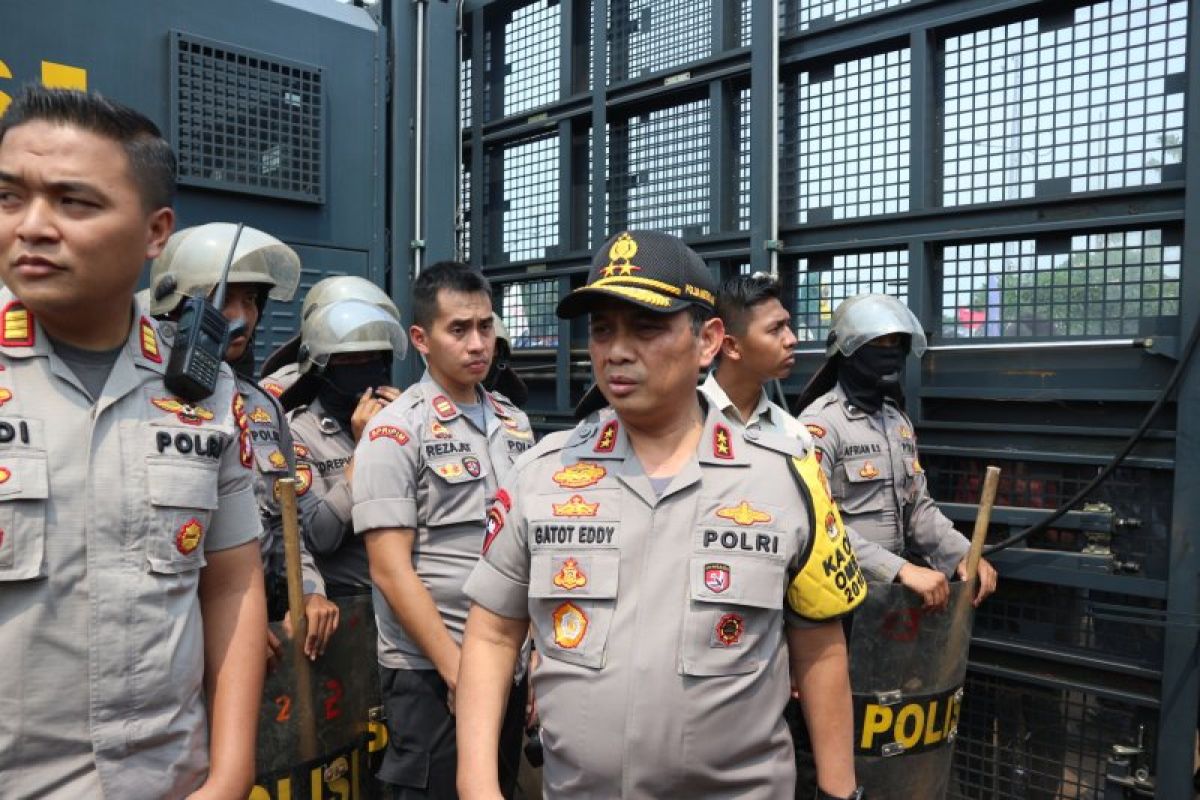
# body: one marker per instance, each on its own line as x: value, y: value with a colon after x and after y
x: 857, y: 794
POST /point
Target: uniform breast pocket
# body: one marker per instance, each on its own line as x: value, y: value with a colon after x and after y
x: 734, y: 620
x: 183, y: 495
x: 456, y: 491
x: 572, y: 597
x: 24, y: 490
x: 863, y: 486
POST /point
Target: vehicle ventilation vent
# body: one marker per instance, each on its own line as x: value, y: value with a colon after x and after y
x: 243, y: 121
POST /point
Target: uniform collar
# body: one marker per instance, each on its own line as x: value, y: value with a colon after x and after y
x: 763, y: 411
x: 326, y: 423
x: 445, y: 409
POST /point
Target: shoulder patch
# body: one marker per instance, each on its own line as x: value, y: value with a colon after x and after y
x: 276, y: 389
x: 18, y: 327
x: 149, y: 341
x: 398, y: 435
x: 815, y: 430
x: 443, y: 407
x: 300, y: 450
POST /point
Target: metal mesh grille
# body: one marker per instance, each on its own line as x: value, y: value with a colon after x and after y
x: 1121, y: 283
x: 824, y: 282
x: 742, y: 111
x: 1021, y: 741
x: 527, y: 192
x: 800, y: 15
x: 247, y: 122
x: 528, y: 311
x: 651, y: 35
x: 464, y: 211
x: 659, y: 170
x: 531, y: 41
x: 744, y: 20
x: 1034, y: 110
x: 845, y: 140
x: 466, y: 74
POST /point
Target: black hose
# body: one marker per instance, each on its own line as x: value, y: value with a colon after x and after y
x: 1045, y: 523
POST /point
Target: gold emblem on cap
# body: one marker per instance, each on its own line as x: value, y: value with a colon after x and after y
x: 619, y: 257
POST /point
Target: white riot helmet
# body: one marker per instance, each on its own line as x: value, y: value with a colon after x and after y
x: 863, y: 317
x: 193, y: 259
x: 346, y: 287
x: 348, y: 326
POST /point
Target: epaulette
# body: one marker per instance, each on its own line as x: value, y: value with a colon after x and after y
x: 778, y: 442
x: 550, y: 443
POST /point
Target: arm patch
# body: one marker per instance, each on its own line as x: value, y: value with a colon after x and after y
x: 829, y: 584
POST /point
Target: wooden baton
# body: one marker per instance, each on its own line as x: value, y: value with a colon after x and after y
x: 991, y: 482
x: 295, y: 589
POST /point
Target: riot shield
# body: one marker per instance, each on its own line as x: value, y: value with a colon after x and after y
x: 344, y: 699
x: 907, y: 669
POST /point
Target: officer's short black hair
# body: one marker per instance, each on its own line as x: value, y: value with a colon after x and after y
x: 740, y: 294
x: 151, y: 160
x: 453, y: 275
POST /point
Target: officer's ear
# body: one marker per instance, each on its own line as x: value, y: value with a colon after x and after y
x: 419, y: 339
x: 730, y: 348
x: 712, y: 334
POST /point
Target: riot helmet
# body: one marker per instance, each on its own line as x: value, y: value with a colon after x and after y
x: 348, y: 326
x: 863, y: 317
x: 501, y: 376
x: 193, y: 259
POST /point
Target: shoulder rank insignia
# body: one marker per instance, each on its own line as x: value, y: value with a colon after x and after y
x: 579, y: 475
x: 917, y: 468
x: 277, y: 459
x: 570, y: 577
x: 729, y: 630
x: 188, y: 537
x: 575, y: 507
x: 19, y: 330
x: 300, y: 450
x: 397, y: 435
x: 439, y: 430
x: 260, y: 415
x: 443, y: 407
x: 570, y: 626
x: 149, y: 342
x: 608, y: 438
x: 905, y: 432
x: 449, y: 469
x: 184, y: 412
x: 722, y: 442
x: 868, y: 471
x: 815, y: 430
x: 744, y: 514
x: 272, y: 388
x: 5, y: 396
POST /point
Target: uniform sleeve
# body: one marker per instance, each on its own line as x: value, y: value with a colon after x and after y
x: 236, y: 518
x: 387, y: 462
x: 313, y: 582
x: 500, y: 580
x: 879, y: 564
x: 272, y: 516
x: 329, y: 518
x: 931, y: 534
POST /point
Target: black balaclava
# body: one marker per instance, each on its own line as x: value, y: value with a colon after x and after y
x: 872, y: 373
x: 342, y: 385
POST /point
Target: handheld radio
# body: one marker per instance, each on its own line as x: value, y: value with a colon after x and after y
x: 201, y: 339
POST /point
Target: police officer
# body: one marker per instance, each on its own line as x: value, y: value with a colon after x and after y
x: 131, y: 597
x: 346, y: 351
x: 869, y: 450
x: 660, y: 554
x: 262, y: 267
x: 426, y: 471
x: 281, y: 368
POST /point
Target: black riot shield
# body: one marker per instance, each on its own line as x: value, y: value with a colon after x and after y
x: 343, y: 732
x: 907, y: 669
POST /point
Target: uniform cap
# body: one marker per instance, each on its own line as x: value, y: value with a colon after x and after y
x: 653, y: 270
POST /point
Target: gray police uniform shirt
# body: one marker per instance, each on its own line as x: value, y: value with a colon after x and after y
x: 879, y: 485
x: 274, y: 459
x: 281, y: 379
x: 874, y: 560
x: 323, y: 450
x: 660, y: 619
x: 422, y: 464
x: 106, y: 513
